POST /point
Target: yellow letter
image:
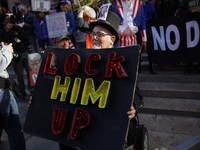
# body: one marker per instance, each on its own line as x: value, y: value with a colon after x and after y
x: 75, y: 90
x: 60, y: 88
x: 89, y: 90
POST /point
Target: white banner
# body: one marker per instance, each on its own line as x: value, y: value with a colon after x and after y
x: 56, y: 24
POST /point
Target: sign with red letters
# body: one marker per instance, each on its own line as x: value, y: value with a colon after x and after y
x: 82, y: 96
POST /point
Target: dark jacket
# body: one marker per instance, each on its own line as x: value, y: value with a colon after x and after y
x: 167, y: 10
x: 82, y: 26
x: 18, y: 42
x: 29, y: 18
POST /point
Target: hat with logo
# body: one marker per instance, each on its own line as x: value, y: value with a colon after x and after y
x: 63, y: 2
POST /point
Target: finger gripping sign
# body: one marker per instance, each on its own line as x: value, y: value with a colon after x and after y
x: 82, y: 96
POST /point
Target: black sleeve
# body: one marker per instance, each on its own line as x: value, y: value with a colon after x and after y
x: 22, y: 35
x: 82, y: 26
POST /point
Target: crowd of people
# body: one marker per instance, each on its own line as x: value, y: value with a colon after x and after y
x: 125, y: 24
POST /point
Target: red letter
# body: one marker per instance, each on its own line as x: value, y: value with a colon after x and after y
x: 94, y: 56
x: 57, y: 127
x: 112, y: 62
x: 76, y: 61
x: 81, y: 120
x: 50, y: 64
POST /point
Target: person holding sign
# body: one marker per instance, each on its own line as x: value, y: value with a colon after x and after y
x: 70, y: 21
x: 104, y: 35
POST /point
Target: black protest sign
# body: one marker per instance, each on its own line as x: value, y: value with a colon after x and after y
x: 175, y: 39
x: 81, y: 97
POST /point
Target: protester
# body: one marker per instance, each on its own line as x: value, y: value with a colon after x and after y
x: 9, y: 113
x: 69, y: 10
x: 16, y: 12
x: 166, y: 8
x: 70, y: 21
x: 104, y: 35
x: 131, y: 16
x: 149, y: 10
x: 40, y: 30
x: 28, y: 27
x: 53, y: 8
x: 85, y: 16
x: 62, y: 42
x: 15, y: 34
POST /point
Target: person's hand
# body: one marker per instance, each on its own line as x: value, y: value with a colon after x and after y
x: 30, y: 101
x: 8, y: 46
x: 131, y: 113
x: 49, y: 11
x: 95, y: 5
x: 68, y: 34
x: 143, y: 46
x: 25, y: 24
x: 8, y: 27
x: 16, y: 33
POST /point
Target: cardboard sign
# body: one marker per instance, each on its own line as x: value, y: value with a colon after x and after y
x: 39, y: 5
x: 81, y: 97
x: 80, y: 38
x: 56, y: 24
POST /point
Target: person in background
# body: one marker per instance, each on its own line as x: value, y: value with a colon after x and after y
x: 166, y: 8
x: 9, y: 113
x: 28, y: 27
x: 15, y: 34
x: 185, y: 8
x: 4, y: 10
x: 40, y: 30
x: 86, y: 15
x: 53, y: 8
x: 149, y: 10
x: 16, y: 12
x: 70, y: 21
x: 63, y: 42
x: 69, y: 10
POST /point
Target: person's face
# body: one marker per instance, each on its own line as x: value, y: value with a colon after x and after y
x: 52, y: 5
x: 34, y: 65
x: 41, y: 14
x: 102, y: 39
x: 69, y: 7
x: 6, y: 20
x: 104, y: 9
x: 64, y: 7
x: 24, y: 11
x: 41, y: 5
x: 64, y: 44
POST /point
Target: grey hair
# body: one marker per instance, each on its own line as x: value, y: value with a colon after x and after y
x: 89, y: 12
x: 69, y: 2
x: 34, y: 56
x: 22, y: 7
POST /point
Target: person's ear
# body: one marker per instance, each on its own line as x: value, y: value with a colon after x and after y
x: 87, y: 18
x: 113, y: 39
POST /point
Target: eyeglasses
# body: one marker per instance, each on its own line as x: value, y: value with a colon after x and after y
x: 99, y: 34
